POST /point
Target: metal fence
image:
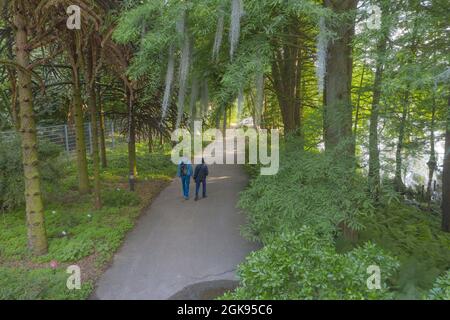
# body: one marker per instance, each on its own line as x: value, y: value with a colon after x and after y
x: 64, y: 135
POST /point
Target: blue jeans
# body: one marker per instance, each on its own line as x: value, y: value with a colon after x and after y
x: 197, y: 187
x: 185, y: 183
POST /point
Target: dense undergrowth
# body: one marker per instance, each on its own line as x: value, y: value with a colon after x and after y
x: 298, y: 215
x: 77, y: 234
x: 415, y: 237
x: 11, y: 171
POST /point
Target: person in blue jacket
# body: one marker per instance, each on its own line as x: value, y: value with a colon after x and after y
x: 184, y: 171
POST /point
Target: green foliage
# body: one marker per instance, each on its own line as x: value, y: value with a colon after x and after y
x: 441, y: 289
x: 11, y: 171
x: 23, y: 284
x: 119, y: 198
x: 156, y: 165
x: 414, y: 237
x: 75, y: 231
x: 311, y: 189
x: 304, y: 265
x: 275, y: 207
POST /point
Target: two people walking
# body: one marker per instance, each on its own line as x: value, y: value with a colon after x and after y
x: 184, y: 171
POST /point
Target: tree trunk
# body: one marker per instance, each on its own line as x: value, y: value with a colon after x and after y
x: 398, y: 181
x: 150, y: 141
x: 374, y: 153
x: 338, y: 111
x: 92, y: 100
x: 432, y: 164
x: 37, y: 238
x: 446, y: 177
x: 102, y: 131
x: 83, y: 180
x: 224, y: 124
x: 286, y: 73
x: 131, y: 141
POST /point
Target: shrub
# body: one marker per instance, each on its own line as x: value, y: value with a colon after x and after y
x: 11, y: 171
x: 303, y: 265
x: 441, y: 289
x: 309, y: 189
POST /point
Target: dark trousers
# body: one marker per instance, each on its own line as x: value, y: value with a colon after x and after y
x: 197, y: 187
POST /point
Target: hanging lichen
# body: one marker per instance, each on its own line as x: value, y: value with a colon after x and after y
x: 169, y: 80
x: 205, y: 97
x: 184, y: 70
x: 237, y: 11
x: 180, y: 25
x: 322, y: 48
x: 219, y: 33
x: 184, y: 65
x: 194, y: 98
x: 240, y: 103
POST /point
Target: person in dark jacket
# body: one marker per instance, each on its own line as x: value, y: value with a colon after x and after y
x: 200, y: 174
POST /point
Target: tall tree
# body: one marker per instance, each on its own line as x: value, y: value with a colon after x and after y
x: 381, y: 48
x: 73, y: 50
x: 287, y: 72
x: 446, y: 175
x: 92, y: 63
x: 339, y: 64
x: 101, y: 117
x: 432, y: 162
x: 37, y: 239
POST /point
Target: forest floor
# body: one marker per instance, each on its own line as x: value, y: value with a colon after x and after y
x: 183, y: 249
x: 78, y: 234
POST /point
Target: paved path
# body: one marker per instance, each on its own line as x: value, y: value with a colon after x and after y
x: 179, y: 243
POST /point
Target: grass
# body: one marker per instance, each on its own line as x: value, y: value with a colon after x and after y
x: 78, y: 234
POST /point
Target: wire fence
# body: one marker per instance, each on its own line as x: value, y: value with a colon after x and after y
x: 65, y: 137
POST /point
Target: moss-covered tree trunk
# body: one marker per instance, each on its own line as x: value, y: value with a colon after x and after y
x: 37, y: 238
x: 446, y: 176
x: 338, y: 111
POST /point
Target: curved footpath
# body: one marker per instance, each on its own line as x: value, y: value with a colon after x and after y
x: 179, y: 246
